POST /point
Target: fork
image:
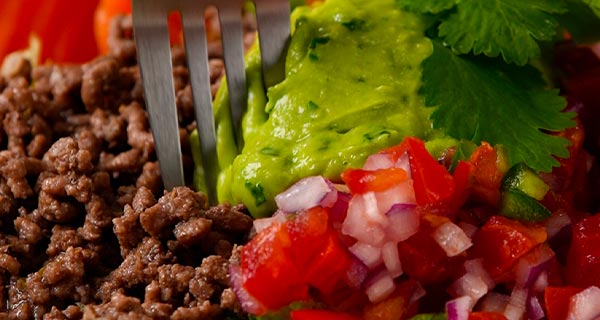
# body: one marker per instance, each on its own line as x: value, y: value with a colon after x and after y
x: 154, y: 55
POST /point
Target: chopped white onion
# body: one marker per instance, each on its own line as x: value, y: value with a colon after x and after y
x: 475, y: 267
x: 459, y: 308
x: 517, y: 304
x: 402, y: 192
x: 379, y: 161
x: 380, y: 287
x: 452, y: 239
x: 494, y: 302
x: 368, y: 254
x: 404, y: 222
x: 391, y: 259
x: 305, y: 194
x: 469, y: 285
x: 585, y: 305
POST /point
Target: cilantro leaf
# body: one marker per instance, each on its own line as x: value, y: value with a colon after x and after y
x: 482, y: 99
x: 510, y: 28
x: 431, y: 6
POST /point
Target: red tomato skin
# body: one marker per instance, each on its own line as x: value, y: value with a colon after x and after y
x: 501, y: 242
x: 487, y: 175
x: 320, y: 315
x: 583, y: 262
x: 482, y: 315
x: 361, y: 181
x: 432, y: 182
x: 268, y: 273
x: 557, y: 299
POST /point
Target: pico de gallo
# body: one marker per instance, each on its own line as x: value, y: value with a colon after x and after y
x: 408, y: 235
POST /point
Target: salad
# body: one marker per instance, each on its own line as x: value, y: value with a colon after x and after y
x: 421, y: 160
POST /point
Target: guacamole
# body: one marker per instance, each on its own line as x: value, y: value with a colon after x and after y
x: 351, y: 89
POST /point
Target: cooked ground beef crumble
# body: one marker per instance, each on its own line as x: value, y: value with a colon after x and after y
x: 87, y: 230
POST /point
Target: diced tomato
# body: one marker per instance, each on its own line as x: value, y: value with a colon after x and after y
x: 283, y: 262
x: 482, y: 315
x: 432, y: 182
x: 360, y: 181
x: 398, y: 305
x: 501, y: 242
x: 422, y: 257
x: 583, y: 263
x: 268, y: 273
x: 557, y: 301
x: 320, y: 315
x: 487, y: 174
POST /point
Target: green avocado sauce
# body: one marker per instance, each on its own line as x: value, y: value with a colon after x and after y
x: 351, y: 89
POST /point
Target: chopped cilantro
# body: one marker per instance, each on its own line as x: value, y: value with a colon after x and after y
x: 483, y: 99
x: 355, y: 24
x: 312, y: 106
x: 257, y: 192
x: 317, y: 41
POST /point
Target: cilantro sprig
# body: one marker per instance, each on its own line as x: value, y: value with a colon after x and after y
x: 480, y: 77
x: 482, y: 99
x: 512, y: 29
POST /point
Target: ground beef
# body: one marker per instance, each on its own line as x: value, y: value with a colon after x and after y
x: 87, y: 229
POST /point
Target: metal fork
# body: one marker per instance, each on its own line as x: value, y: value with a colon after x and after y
x: 154, y: 55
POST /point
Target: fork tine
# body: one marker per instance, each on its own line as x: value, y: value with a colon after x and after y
x: 273, y: 41
x: 233, y: 49
x: 152, y: 35
x: 192, y: 17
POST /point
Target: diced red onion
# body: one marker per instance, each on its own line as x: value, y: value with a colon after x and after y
x: 402, y: 192
x: 459, y: 308
x: 305, y: 194
x: 248, y: 302
x: 380, y: 287
x: 469, y: 285
x: 468, y: 228
x: 338, y: 211
x: 556, y: 223
x: 532, y: 265
x: 475, y: 267
x: 360, y: 226
x: 585, y: 305
x: 263, y: 223
x: 535, y: 311
x: 418, y: 294
x: 494, y: 302
x: 391, y: 259
x: 517, y: 304
x: 403, y: 162
x: 357, y: 273
x: 541, y: 282
x: 368, y: 254
x: 452, y: 239
x: 403, y: 222
x: 379, y: 161
x: 370, y: 207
